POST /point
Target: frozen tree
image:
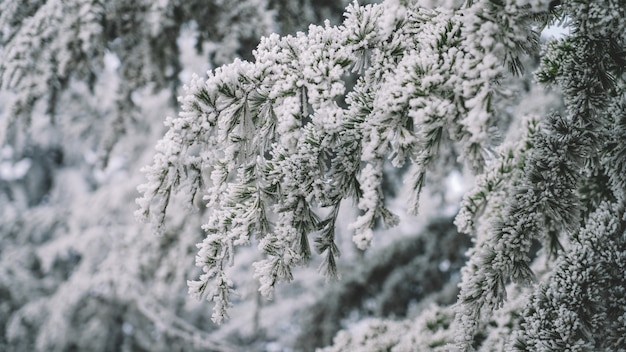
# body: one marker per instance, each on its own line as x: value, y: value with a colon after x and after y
x: 84, y: 85
x: 275, y: 145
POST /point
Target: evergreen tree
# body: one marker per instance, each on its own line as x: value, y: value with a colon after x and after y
x: 276, y: 144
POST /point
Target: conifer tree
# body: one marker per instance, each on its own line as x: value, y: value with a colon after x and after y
x: 273, y: 146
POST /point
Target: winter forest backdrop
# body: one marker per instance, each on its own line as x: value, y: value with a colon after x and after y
x: 395, y: 177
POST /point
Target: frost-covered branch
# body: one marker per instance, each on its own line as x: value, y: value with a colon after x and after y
x: 582, y: 307
x: 565, y: 168
x: 283, y: 140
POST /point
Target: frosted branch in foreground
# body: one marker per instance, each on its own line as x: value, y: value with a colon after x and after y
x: 277, y: 144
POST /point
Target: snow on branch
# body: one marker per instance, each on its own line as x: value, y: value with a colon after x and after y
x: 276, y: 144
